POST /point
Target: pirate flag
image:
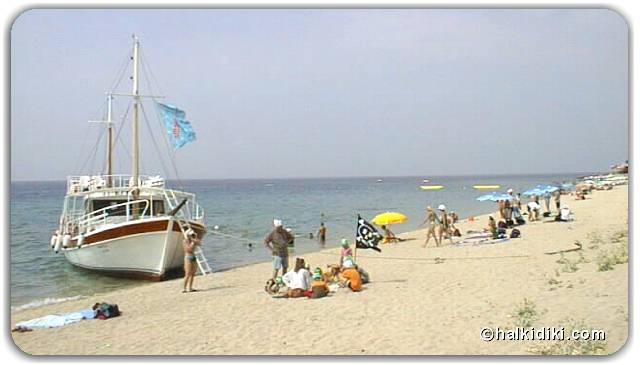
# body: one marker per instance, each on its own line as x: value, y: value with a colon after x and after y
x: 366, y: 235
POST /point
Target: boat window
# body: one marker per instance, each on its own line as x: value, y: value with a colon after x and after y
x: 158, y: 207
x: 100, y: 204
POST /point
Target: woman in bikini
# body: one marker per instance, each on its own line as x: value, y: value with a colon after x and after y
x: 432, y: 221
x: 190, y: 266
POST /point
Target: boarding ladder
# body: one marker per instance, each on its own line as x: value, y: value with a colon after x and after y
x: 183, y: 222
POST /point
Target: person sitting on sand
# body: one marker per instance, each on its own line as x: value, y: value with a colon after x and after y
x: 298, y: 280
x: 190, y: 266
x: 493, y: 229
x: 389, y: 236
x: 432, y: 222
x: 564, y: 215
x: 319, y: 287
x: 350, y: 277
x: 345, y: 251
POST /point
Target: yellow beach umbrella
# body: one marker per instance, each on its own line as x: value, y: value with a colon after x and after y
x: 389, y: 218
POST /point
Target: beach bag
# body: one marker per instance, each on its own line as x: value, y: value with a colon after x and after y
x: 501, y: 231
x: 510, y: 223
x: 515, y: 233
x: 106, y: 310
x: 502, y: 224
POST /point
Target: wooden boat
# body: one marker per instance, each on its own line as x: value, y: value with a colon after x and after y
x: 127, y: 225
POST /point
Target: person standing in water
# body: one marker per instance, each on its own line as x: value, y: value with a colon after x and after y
x: 432, y: 222
x: 322, y: 234
x: 278, y: 242
x: 190, y: 265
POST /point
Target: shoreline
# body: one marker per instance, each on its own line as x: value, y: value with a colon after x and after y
x: 459, y: 288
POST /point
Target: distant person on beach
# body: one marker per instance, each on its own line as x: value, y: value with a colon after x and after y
x: 534, y: 210
x: 297, y: 280
x: 278, y: 241
x: 389, y: 236
x: 190, y: 264
x: 322, y: 234
x: 443, y: 229
x: 319, y: 287
x: 501, y: 212
x: 432, y: 222
x: 556, y: 199
x: 345, y: 251
x: 564, y: 214
x: 547, y: 204
x: 350, y: 277
x: 493, y: 229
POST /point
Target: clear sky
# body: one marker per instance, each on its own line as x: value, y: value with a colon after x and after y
x: 307, y: 93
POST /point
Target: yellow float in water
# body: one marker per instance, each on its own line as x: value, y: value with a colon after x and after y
x: 431, y: 187
x: 481, y: 187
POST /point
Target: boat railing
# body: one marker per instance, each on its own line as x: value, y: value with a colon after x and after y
x: 84, y: 183
x: 108, y: 215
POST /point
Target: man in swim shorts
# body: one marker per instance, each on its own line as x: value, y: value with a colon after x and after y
x: 278, y: 241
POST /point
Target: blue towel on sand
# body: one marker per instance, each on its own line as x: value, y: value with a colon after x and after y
x: 58, y: 320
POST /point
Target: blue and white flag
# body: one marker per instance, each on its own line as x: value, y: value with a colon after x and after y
x: 178, y: 128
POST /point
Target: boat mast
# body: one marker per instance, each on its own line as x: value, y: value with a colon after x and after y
x: 109, y: 141
x: 136, y: 101
x: 109, y: 123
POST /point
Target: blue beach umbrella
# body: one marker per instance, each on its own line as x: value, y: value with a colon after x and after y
x: 494, y: 197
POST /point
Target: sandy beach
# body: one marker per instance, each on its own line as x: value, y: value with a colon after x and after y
x: 420, y: 301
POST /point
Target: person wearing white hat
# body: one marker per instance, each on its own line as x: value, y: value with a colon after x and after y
x: 278, y: 242
x: 565, y: 214
x: 444, y: 223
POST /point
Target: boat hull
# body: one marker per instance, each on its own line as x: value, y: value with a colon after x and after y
x: 140, y: 250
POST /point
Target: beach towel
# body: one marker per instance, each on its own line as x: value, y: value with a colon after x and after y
x: 57, y: 320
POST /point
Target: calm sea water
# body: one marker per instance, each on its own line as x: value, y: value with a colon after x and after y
x: 242, y: 208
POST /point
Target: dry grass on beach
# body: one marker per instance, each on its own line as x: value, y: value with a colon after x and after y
x: 420, y: 301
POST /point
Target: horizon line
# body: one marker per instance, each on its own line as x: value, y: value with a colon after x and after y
x: 578, y: 173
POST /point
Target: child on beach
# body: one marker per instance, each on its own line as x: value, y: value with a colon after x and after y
x: 345, y: 251
x: 319, y: 287
x: 350, y: 277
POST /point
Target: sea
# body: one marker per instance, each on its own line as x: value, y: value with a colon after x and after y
x: 242, y: 212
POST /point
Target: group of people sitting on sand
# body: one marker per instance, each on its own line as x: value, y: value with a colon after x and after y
x: 301, y: 282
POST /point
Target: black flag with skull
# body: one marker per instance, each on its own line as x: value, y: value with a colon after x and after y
x: 367, y: 236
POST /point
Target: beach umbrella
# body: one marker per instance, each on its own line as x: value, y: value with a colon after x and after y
x: 389, y: 218
x: 541, y: 190
x: 547, y: 188
x: 485, y: 197
x: 494, y: 197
